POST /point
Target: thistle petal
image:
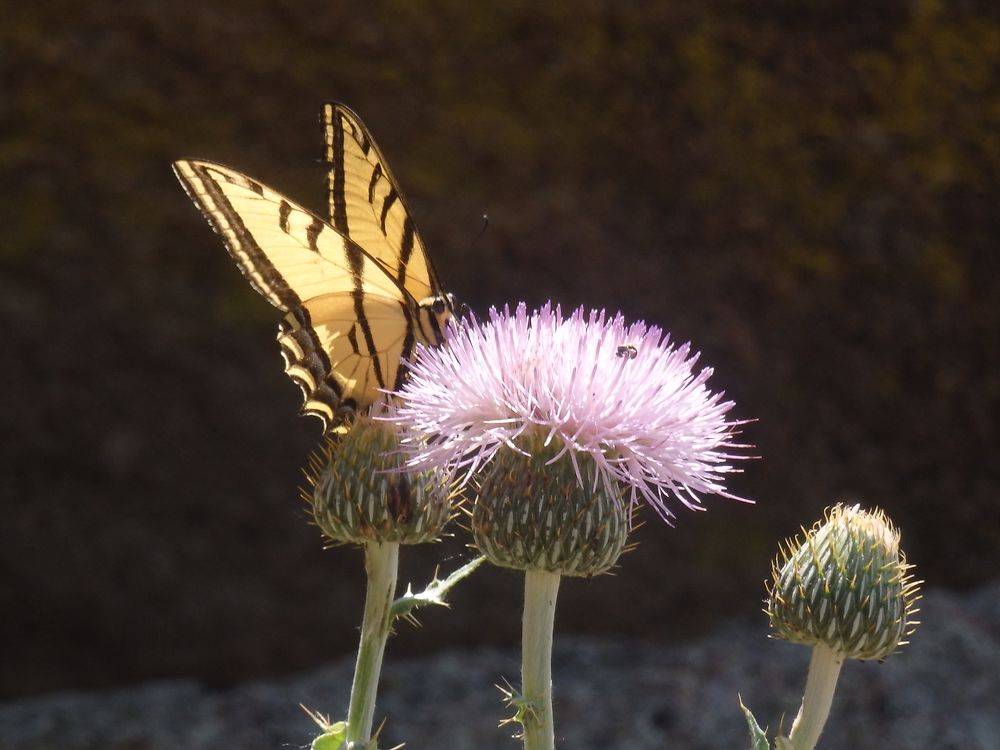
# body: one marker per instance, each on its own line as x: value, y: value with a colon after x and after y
x: 621, y: 394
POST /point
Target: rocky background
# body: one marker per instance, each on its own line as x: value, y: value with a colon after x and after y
x: 938, y: 694
x: 807, y: 193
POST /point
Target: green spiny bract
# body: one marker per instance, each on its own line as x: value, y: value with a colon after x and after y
x: 846, y: 585
x: 534, y: 515
x: 359, y: 493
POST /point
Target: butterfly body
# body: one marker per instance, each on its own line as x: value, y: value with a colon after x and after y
x: 358, y: 291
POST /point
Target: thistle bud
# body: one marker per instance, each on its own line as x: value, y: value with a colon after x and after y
x: 846, y: 586
x: 531, y: 514
x: 359, y: 493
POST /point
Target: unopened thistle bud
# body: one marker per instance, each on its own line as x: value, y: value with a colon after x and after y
x: 533, y: 515
x: 846, y: 585
x: 359, y: 493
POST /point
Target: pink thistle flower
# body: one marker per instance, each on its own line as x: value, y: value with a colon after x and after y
x: 619, y: 393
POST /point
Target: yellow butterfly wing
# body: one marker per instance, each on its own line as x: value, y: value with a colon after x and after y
x: 367, y: 205
x: 349, y: 322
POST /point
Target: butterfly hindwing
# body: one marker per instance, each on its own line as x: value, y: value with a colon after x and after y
x: 337, y: 353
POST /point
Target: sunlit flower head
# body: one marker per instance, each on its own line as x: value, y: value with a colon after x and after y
x: 588, y: 385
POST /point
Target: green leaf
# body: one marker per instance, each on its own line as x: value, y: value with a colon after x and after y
x: 334, y: 733
x: 758, y: 737
x: 435, y: 592
x: 333, y: 738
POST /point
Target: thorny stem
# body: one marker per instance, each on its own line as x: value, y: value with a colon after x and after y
x: 381, y: 565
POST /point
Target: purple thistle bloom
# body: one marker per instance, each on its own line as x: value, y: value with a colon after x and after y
x: 621, y: 394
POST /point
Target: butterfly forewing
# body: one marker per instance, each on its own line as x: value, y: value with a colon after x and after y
x: 366, y: 204
x: 287, y: 253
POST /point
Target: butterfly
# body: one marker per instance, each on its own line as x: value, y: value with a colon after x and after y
x: 358, y: 290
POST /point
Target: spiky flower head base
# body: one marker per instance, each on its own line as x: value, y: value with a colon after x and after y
x: 846, y: 585
x: 531, y: 514
x: 359, y: 494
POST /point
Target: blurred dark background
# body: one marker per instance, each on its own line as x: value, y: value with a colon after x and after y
x: 807, y: 192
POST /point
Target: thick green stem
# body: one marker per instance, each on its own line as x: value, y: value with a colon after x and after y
x: 540, y: 591
x: 381, y: 565
x: 824, y: 669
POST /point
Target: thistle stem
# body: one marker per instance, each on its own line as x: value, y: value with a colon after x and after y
x: 381, y: 565
x: 540, y: 590
x: 824, y: 669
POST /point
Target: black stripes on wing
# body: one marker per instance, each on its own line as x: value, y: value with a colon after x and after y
x: 335, y: 178
x: 405, y: 250
x: 390, y: 199
x: 355, y: 260
x: 376, y: 176
x: 284, y: 211
x: 312, y: 232
x: 366, y: 331
x: 406, y: 351
x: 218, y: 210
x: 309, y: 367
x: 363, y: 140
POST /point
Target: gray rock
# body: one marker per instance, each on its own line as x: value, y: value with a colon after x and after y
x: 940, y: 692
